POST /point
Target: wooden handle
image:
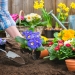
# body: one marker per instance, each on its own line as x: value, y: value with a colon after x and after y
x: 21, y: 13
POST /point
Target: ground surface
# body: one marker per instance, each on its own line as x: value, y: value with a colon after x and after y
x: 32, y: 67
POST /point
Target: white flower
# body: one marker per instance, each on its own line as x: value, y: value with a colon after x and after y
x: 67, y: 42
x: 28, y: 18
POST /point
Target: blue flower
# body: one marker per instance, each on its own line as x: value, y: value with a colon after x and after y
x: 32, y: 44
x: 30, y: 35
x: 38, y: 41
x: 33, y: 39
x: 36, y: 34
x: 27, y: 32
x: 2, y: 41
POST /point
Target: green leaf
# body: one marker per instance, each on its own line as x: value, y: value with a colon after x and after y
x: 20, y: 40
x: 40, y: 48
x: 52, y: 57
x: 32, y: 28
x: 51, y: 49
x: 46, y: 57
x: 56, y: 34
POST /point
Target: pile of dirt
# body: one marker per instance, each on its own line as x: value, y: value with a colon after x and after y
x: 31, y: 67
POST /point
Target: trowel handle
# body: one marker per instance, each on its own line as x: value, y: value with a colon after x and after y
x: 51, y: 13
x: 3, y: 50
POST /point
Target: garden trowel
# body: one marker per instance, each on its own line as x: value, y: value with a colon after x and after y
x: 14, y: 57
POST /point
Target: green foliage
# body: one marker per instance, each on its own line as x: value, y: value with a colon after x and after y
x: 61, y: 49
x: 63, y: 53
x: 47, y: 17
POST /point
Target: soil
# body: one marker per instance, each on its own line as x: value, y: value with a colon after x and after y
x: 31, y: 66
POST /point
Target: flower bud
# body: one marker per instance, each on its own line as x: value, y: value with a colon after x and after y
x: 57, y: 48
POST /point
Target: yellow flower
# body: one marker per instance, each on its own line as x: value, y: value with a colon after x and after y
x: 67, y: 34
x: 72, y: 5
x: 67, y: 9
x: 66, y: 14
x: 60, y: 5
x: 38, y: 4
x: 41, y: 5
x: 45, y: 39
x: 58, y: 10
x: 59, y: 34
x: 62, y: 12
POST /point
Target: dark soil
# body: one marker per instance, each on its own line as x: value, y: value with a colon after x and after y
x: 31, y: 66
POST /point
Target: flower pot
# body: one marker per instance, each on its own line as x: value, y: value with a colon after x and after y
x: 37, y: 54
x: 41, y: 54
x: 50, y: 33
x: 44, y: 53
x: 39, y: 29
x: 24, y: 28
x: 70, y: 63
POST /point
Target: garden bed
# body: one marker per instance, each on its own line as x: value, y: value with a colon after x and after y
x: 32, y: 67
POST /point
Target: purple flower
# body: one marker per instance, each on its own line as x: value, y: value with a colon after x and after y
x: 2, y: 41
x: 27, y: 32
x: 33, y: 39
x: 36, y: 34
x: 32, y: 44
x: 38, y: 41
x: 30, y: 35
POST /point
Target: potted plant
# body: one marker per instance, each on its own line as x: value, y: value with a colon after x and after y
x: 31, y: 21
x: 62, y: 46
x: 63, y: 13
x: 31, y: 43
x: 49, y: 29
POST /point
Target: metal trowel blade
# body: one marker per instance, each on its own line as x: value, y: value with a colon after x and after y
x: 15, y: 57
